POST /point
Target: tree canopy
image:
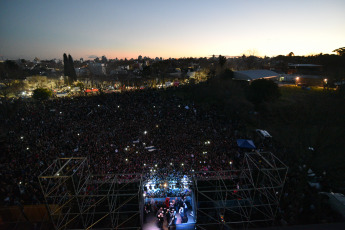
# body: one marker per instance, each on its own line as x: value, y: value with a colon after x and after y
x: 340, y: 51
x: 42, y: 94
x: 263, y: 90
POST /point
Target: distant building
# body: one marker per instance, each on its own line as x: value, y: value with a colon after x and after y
x: 97, y: 68
x: 81, y: 71
x: 308, y: 69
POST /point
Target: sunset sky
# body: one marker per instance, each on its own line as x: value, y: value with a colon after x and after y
x: 179, y: 28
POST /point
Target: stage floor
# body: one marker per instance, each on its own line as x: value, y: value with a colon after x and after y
x: 151, y: 222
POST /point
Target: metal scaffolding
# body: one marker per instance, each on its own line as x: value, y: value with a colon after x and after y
x: 246, y: 196
x: 240, y: 198
x: 78, y: 200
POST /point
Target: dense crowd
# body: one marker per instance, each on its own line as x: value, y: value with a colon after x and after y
x: 132, y: 132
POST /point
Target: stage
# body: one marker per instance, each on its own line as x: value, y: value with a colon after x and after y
x: 151, y: 222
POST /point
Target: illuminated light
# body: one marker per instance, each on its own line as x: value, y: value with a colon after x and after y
x: 230, y: 162
x: 200, y: 162
x: 98, y: 105
x: 145, y: 132
x: 150, y: 170
x: 157, y: 126
x: 118, y: 106
x: 22, y: 137
x: 27, y: 148
x: 170, y: 163
x: 126, y: 159
x: 58, y: 174
x: 179, y: 106
x: 20, y: 182
x: 144, y: 143
x: 60, y: 112
x: 182, y: 164
x: 297, y: 78
x: 154, y: 170
x: 325, y: 80
x: 136, y: 151
x: 154, y: 106
x: 144, y: 194
x: 144, y: 164
x: 165, y: 185
x: 192, y: 170
x: 78, y: 134
x: 155, y: 165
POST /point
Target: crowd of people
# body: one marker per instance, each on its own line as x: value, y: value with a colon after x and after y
x: 146, y: 132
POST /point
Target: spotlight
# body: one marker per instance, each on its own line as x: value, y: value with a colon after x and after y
x: 145, y: 132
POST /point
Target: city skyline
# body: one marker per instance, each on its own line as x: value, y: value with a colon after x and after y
x: 127, y: 29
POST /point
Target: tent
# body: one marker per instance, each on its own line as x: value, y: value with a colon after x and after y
x: 247, y: 144
x: 88, y: 91
x: 94, y: 90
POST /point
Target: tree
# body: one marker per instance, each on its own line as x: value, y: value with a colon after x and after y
x: 227, y: 74
x: 221, y: 60
x: 340, y: 51
x: 291, y: 54
x: 69, y: 71
x: 72, y: 73
x: 263, y: 90
x: 41, y: 94
x: 11, y: 87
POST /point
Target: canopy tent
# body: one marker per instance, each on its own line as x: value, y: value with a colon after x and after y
x: 247, y: 144
x: 88, y: 91
x: 94, y: 90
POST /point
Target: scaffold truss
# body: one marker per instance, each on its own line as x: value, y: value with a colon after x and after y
x: 78, y: 200
x: 237, y: 199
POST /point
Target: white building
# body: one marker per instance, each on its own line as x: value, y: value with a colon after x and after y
x: 250, y: 75
x: 97, y: 68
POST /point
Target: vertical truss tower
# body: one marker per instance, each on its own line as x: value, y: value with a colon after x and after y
x: 238, y: 199
x: 78, y: 200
